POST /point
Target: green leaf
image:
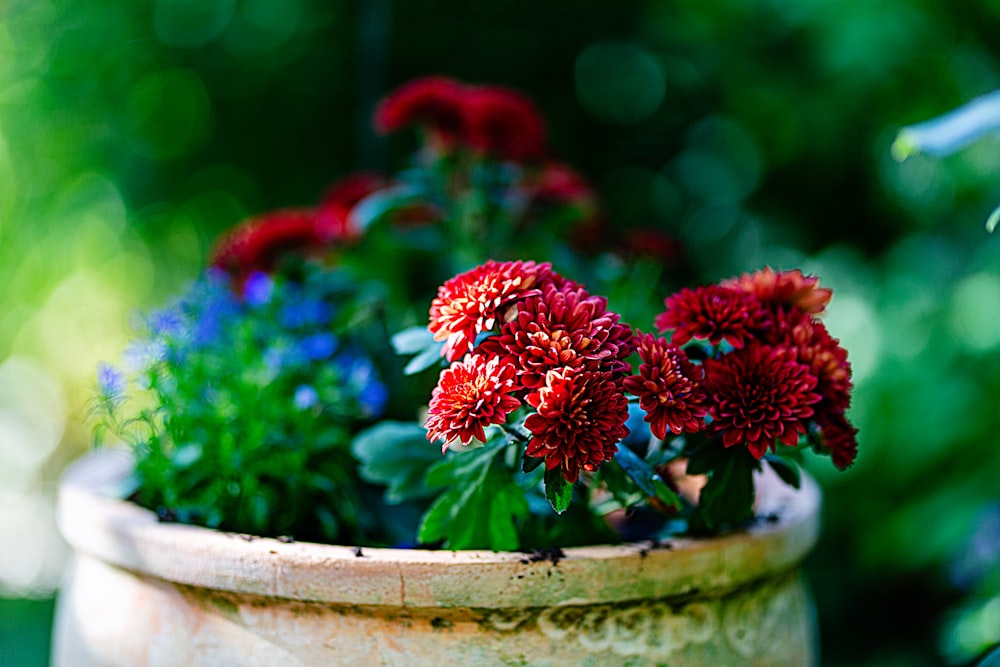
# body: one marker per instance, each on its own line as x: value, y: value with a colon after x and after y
x: 558, y: 491
x: 647, y: 479
x: 530, y: 463
x: 480, y: 506
x: 424, y: 360
x: 412, y: 340
x: 787, y: 470
x: 509, y: 504
x: 727, y: 498
x: 619, y: 484
x: 376, y: 205
x: 706, y: 457
x: 397, y: 455
x: 993, y: 220
x: 418, y: 341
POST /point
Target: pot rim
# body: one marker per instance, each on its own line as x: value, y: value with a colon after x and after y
x: 103, y: 527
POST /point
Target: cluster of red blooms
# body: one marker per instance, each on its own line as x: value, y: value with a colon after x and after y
x: 491, y: 121
x: 777, y: 370
x: 553, y: 347
x: 259, y: 243
x: 774, y: 370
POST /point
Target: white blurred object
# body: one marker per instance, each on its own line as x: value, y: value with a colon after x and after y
x: 32, y: 422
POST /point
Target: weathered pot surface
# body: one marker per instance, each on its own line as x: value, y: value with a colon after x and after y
x: 142, y: 592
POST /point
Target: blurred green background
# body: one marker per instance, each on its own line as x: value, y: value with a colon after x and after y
x: 757, y: 132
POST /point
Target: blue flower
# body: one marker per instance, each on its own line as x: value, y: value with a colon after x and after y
x: 373, y: 398
x: 303, y: 313
x: 318, y: 346
x: 111, y: 382
x: 282, y: 357
x: 362, y: 378
x: 305, y: 397
x: 139, y: 355
x: 258, y: 289
x: 166, y: 323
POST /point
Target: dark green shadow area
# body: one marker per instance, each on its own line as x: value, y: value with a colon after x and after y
x: 25, y: 632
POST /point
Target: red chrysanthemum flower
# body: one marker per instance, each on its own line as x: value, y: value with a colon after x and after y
x: 436, y: 102
x: 471, y: 302
x: 758, y: 395
x: 839, y: 438
x: 786, y: 289
x: 259, y: 243
x: 712, y: 312
x: 351, y: 189
x: 580, y: 419
x: 471, y: 395
x: 337, y: 209
x: 654, y: 244
x: 827, y: 360
x: 503, y: 123
x: 564, y: 326
x: 669, y: 388
x: 559, y: 183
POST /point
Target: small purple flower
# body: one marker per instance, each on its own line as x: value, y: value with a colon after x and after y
x: 318, y: 346
x: 110, y: 381
x: 258, y: 289
x: 305, y: 397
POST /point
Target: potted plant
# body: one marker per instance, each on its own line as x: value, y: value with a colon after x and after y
x: 594, y: 494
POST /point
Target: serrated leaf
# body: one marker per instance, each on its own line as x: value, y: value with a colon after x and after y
x: 479, y: 507
x: 508, y: 505
x: 397, y: 455
x: 786, y: 470
x: 558, y: 491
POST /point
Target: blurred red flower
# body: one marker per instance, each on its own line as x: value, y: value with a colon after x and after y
x: 839, y: 438
x: 434, y: 102
x: 503, y: 123
x: 259, y: 243
x: 494, y: 120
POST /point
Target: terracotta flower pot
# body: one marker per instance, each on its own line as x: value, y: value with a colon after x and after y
x: 142, y: 592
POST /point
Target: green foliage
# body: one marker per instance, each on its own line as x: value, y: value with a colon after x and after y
x: 396, y: 455
x: 727, y: 498
x: 646, y: 478
x: 241, y: 409
x: 479, y: 505
x: 558, y: 491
